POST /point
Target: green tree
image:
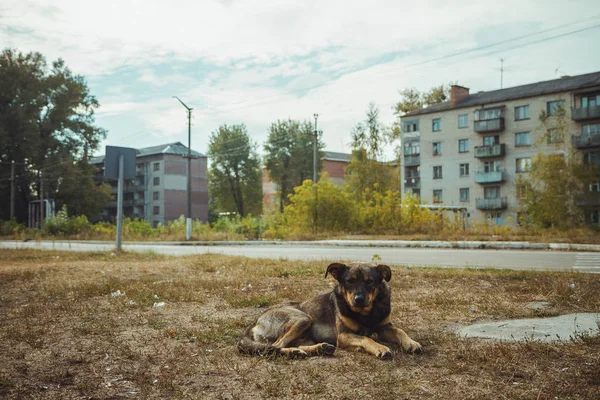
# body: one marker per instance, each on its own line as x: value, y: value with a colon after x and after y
x: 289, y: 156
x: 235, y: 175
x: 369, y: 138
x: 47, y: 128
x: 412, y: 99
x: 557, y: 177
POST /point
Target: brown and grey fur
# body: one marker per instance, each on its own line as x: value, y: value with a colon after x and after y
x: 346, y: 317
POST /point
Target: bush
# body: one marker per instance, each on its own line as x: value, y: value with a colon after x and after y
x: 11, y: 227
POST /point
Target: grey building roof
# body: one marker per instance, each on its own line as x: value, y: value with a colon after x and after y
x: 170, y: 148
x: 566, y: 84
x: 334, y: 156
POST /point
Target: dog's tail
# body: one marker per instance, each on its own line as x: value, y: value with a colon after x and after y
x: 247, y: 345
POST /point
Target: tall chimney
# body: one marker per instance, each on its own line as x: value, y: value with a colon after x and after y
x: 457, y: 94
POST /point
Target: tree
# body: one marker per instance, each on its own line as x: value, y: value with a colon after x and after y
x: 47, y: 129
x: 235, y: 175
x: 557, y: 177
x: 365, y: 171
x: 412, y: 99
x: 289, y: 156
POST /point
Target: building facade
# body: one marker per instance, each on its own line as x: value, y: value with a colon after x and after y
x: 159, y: 191
x: 334, y: 164
x: 469, y: 151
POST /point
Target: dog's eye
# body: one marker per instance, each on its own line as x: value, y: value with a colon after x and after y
x: 351, y: 280
x: 370, y: 281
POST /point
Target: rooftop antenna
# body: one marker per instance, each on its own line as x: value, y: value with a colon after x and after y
x: 501, y: 72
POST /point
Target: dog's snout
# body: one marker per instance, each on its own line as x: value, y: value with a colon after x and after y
x: 359, y: 299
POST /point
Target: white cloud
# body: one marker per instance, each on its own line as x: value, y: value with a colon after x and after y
x: 252, y: 45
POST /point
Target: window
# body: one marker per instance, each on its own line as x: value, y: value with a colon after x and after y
x: 595, y: 187
x: 491, y: 140
x: 437, y: 148
x: 554, y: 136
x: 464, y: 194
x: 463, y: 120
x: 590, y: 101
x: 464, y: 169
x: 554, y: 107
x: 495, y: 217
x: 156, y: 181
x: 521, y: 112
x: 483, y: 115
x: 595, y: 216
x: 491, y: 192
x: 416, y: 192
x: 522, y: 139
x: 412, y: 172
x: 523, y: 164
x: 412, y: 148
x: 463, y: 145
x: 156, y: 166
x: 491, y: 166
x: 156, y: 210
x: 437, y: 196
x: 436, y: 124
x: 437, y: 172
x: 589, y: 130
x: 155, y: 195
x: 592, y: 158
x: 411, y: 125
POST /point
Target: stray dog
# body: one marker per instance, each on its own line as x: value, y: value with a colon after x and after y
x: 346, y: 317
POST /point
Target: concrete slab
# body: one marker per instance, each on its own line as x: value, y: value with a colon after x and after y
x: 560, y: 328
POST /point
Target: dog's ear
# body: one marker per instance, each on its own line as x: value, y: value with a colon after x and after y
x: 336, y: 269
x: 385, y: 272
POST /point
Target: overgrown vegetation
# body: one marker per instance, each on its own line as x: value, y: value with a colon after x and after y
x: 314, y: 211
x: 86, y: 326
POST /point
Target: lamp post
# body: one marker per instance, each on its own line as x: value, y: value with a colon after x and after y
x: 315, y: 150
x: 188, y: 224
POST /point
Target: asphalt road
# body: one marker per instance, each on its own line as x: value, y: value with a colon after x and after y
x: 447, y: 258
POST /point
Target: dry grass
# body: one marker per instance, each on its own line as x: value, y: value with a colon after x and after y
x: 63, y: 335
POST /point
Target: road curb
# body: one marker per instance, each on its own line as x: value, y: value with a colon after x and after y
x: 471, y: 245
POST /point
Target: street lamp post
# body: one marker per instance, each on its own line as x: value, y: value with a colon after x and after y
x: 188, y: 225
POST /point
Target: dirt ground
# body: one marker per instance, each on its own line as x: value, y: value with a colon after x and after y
x: 105, y: 326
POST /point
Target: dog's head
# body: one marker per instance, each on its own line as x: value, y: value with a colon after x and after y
x: 360, y: 283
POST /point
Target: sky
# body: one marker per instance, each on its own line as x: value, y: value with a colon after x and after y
x: 256, y: 62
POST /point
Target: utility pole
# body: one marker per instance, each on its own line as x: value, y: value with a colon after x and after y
x: 315, y: 150
x: 188, y: 230
x: 41, y: 199
x: 12, y: 189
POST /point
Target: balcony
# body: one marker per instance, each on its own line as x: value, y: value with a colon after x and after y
x: 490, y: 177
x: 586, y: 141
x: 412, y: 182
x: 499, y: 203
x: 589, y: 199
x: 585, y: 113
x: 489, y: 125
x: 413, y: 159
x: 496, y: 150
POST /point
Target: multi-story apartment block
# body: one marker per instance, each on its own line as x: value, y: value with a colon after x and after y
x: 159, y: 191
x: 334, y: 164
x: 469, y: 151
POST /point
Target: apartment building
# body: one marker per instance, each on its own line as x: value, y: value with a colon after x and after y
x: 159, y: 191
x: 334, y: 164
x: 469, y: 151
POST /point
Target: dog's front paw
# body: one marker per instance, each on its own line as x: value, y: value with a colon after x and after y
x: 413, y: 347
x: 326, y: 349
x: 384, y: 353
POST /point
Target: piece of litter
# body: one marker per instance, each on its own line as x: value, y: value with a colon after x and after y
x: 572, y: 285
x: 244, y: 289
x: 249, y: 286
x: 156, y: 296
x: 154, y: 382
x: 117, y: 293
x: 160, y: 304
x: 131, y: 302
